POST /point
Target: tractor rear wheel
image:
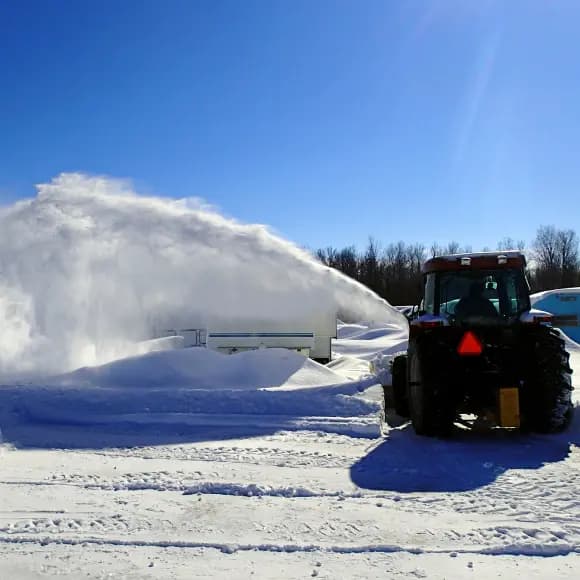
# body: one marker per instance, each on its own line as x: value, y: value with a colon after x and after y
x: 547, y: 405
x: 396, y: 397
x: 431, y: 410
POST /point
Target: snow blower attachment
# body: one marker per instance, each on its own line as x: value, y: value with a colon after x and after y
x: 478, y: 355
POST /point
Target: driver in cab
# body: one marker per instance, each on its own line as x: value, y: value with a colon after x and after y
x: 475, y: 304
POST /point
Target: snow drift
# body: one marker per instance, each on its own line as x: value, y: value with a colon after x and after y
x: 89, y: 267
x: 174, y: 391
x: 200, y: 368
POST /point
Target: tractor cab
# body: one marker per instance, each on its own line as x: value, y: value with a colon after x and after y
x: 486, y: 289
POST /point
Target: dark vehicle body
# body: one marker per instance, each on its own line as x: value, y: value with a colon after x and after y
x: 478, y: 354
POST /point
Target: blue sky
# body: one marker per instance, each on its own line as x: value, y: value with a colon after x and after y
x: 330, y: 121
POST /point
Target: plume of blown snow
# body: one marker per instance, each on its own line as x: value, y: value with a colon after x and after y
x: 88, y: 268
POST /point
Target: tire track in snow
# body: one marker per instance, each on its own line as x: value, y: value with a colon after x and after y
x: 63, y: 524
x: 546, y: 496
x: 226, y: 548
x: 274, y: 456
x: 200, y: 487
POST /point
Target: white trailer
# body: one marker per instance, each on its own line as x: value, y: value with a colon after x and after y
x: 311, y: 336
x: 230, y: 342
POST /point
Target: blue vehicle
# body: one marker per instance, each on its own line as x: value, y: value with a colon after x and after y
x: 564, y: 305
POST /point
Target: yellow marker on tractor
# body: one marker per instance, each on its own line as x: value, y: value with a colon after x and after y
x: 509, y: 407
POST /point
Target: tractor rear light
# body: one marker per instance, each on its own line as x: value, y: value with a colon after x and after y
x: 537, y: 317
x: 430, y: 323
x: 469, y: 345
x: 466, y: 261
x: 419, y: 326
x: 543, y: 319
x: 502, y: 259
x: 427, y: 322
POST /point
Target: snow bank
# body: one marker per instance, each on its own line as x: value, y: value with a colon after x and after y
x: 197, y: 388
x: 201, y: 368
x: 88, y: 268
x: 367, y: 341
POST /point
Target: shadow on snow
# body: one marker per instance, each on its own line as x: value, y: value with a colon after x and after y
x: 405, y: 462
x: 95, y: 436
x: 97, y: 418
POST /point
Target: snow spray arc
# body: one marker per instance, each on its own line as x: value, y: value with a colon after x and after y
x: 88, y: 267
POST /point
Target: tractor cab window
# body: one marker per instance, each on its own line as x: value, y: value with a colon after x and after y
x: 484, y: 294
x: 428, y: 303
x: 517, y: 292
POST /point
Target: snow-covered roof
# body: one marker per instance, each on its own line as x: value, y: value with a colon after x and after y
x: 546, y: 293
x: 507, y: 253
x: 476, y: 260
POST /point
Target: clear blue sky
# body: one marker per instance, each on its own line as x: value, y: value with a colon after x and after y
x: 328, y: 120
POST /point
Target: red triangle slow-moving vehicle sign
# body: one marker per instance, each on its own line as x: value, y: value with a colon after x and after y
x: 470, y: 345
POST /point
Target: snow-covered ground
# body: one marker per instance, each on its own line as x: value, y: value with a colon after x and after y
x: 157, y: 463
x: 188, y: 464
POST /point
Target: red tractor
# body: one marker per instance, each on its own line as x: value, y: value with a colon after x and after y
x: 479, y: 354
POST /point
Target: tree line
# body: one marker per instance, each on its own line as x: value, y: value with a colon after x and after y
x: 394, y: 271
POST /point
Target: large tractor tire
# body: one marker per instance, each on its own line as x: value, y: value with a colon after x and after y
x: 547, y: 405
x: 396, y: 396
x: 431, y: 408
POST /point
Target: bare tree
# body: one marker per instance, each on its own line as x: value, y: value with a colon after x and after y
x: 452, y: 248
x: 417, y: 254
x: 370, y: 267
x: 348, y: 261
x: 556, y: 258
x: 435, y: 249
x: 546, y: 247
x: 567, y: 245
x: 511, y: 244
x: 395, y: 273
